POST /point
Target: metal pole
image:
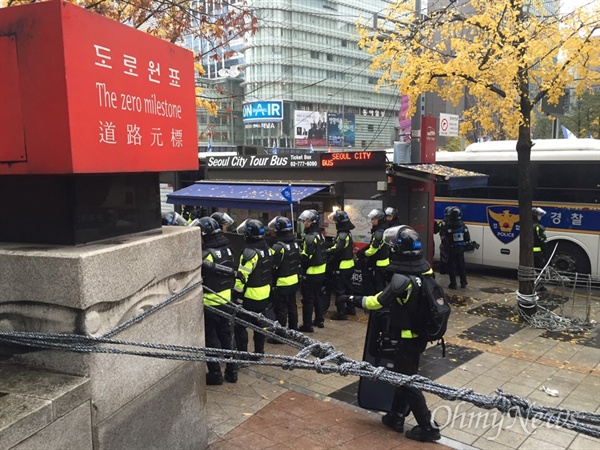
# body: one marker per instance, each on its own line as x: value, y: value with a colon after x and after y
x: 343, y: 117
x: 415, y: 142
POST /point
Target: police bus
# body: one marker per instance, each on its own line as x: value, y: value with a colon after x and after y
x: 565, y: 175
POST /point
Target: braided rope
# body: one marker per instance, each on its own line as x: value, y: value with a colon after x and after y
x: 325, y: 359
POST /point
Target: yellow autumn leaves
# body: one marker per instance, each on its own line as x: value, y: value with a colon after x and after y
x: 506, y: 54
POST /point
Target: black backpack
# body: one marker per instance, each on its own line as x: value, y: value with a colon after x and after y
x: 433, y: 310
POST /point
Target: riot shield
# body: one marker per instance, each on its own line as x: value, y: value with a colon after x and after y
x: 379, y: 350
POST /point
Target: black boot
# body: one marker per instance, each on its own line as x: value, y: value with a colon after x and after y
x: 394, y: 420
x: 306, y: 328
x: 231, y: 376
x: 231, y: 372
x: 424, y: 434
x: 351, y: 310
x: 339, y: 316
x: 214, y: 378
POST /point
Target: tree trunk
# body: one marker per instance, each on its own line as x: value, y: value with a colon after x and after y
x: 524, y: 145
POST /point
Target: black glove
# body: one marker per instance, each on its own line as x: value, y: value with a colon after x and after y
x: 354, y: 300
x: 209, y: 266
x: 238, y: 297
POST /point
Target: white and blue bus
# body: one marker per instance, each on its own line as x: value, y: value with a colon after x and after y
x: 565, y: 175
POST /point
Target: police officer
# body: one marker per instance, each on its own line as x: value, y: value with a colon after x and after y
x: 457, y: 234
x: 401, y: 297
x: 223, y: 219
x: 391, y: 216
x: 440, y: 228
x: 313, y: 268
x: 286, y: 272
x: 377, y: 253
x: 253, y: 285
x: 218, y: 284
x: 539, y: 241
x: 340, y: 257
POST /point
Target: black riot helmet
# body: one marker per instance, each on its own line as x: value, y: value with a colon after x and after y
x: 342, y: 220
x: 447, y: 212
x: 403, y: 240
x: 310, y: 215
x: 455, y: 213
x: 280, y: 223
x: 391, y: 213
x: 376, y: 214
x: 223, y: 219
x: 251, y: 228
x: 207, y: 225
x: 339, y: 216
x: 537, y: 213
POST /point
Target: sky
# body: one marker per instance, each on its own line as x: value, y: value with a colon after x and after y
x: 570, y: 5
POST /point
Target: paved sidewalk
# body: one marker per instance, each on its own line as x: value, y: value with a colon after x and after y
x: 487, y: 348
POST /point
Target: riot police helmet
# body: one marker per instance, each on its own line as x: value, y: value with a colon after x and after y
x: 339, y: 216
x: 223, y: 219
x: 376, y: 214
x: 447, y: 212
x: 403, y: 240
x: 280, y: 223
x: 207, y: 225
x: 391, y: 213
x: 310, y: 215
x: 455, y: 213
x: 251, y: 228
x: 537, y: 212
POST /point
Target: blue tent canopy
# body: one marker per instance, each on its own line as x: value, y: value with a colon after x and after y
x: 246, y: 196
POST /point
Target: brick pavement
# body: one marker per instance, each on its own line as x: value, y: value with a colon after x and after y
x: 488, y: 348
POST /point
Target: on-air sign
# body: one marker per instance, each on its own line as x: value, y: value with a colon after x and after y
x: 264, y: 111
x: 448, y: 125
x: 116, y: 99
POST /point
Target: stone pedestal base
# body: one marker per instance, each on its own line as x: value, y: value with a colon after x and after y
x: 136, y: 402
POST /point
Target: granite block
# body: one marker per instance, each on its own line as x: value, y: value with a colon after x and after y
x: 117, y: 379
x: 64, y: 391
x: 81, y: 276
x: 170, y: 415
x: 20, y: 417
x: 71, y: 432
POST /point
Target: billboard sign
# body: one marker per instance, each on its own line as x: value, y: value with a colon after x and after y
x: 310, y: 128
x: 263, y: 111
x: 341, y: 130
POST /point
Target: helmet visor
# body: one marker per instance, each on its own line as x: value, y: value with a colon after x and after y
x: 390, y: 235
x: 375, y: 214
x: 226, y: 220
x: 241, y: 229
x: 309, y: 214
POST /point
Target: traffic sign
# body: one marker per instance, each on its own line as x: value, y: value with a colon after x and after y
x: 448, y: 125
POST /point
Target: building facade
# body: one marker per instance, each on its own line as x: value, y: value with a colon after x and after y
x: 304, y: 55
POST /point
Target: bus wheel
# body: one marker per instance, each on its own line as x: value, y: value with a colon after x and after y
x: 570, y: 258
